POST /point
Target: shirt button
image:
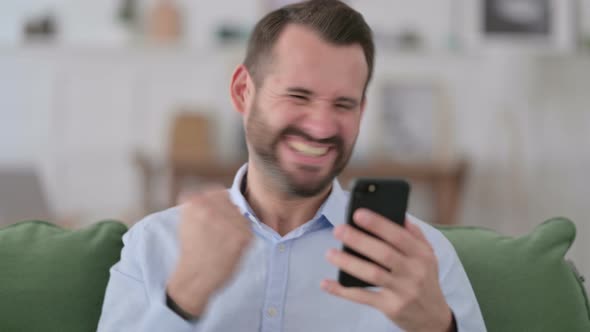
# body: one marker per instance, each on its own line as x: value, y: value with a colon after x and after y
x: 281, y: 247
x: 272, y: 311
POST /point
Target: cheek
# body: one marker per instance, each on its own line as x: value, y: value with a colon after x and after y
x: 350, y: 128
x: 283, y: 114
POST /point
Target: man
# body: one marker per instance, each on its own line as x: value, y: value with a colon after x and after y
x: 263, y: 255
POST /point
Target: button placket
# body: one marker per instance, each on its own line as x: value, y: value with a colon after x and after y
x: 276, y: 287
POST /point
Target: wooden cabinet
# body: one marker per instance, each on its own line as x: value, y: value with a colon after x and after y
x: 445, y: 181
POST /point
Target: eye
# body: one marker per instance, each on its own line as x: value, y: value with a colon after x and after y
x: 346, y: 107
x: 298, y: 97
x: 300, y: 100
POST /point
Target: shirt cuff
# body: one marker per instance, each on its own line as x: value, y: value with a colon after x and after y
x: 161, y: 318
x: 454, y: 327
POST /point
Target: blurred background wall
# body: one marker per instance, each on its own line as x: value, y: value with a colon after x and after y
x: 88, y: 88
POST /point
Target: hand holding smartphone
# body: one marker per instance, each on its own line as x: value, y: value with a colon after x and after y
x: 387, y: 197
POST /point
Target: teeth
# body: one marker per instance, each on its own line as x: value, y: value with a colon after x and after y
x: 308, y: 149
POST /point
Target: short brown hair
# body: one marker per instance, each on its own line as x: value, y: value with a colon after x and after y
x: 333, y: 20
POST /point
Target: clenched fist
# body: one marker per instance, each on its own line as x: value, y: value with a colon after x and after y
x: 213, y: 237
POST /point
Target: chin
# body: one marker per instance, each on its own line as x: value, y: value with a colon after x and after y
x: 306, y: 190
x: 307, y: 184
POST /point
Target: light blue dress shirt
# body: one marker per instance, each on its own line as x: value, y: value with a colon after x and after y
x: 277, y: 286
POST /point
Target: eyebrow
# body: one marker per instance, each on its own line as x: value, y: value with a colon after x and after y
x: 306, y: 92
x: 300, y: 90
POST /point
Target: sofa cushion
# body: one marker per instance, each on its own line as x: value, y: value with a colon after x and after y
x: 53, y: 279
x: 524, y: 283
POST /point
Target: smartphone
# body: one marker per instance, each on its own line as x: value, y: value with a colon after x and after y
x: 387, y: 197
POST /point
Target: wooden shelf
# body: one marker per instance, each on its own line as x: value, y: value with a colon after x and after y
x: 445, y: 180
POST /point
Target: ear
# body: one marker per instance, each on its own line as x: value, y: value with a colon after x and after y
x: 241, y: 89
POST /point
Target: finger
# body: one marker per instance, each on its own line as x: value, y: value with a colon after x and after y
x: 203, y: 190
x: 221, y: 200
x: 185, y: 197
x: 360, y: 268
x: 389, y: 231
x: 369, y: 246
x: 355, y: 294
x: 236, y: 218
x: 212, y: 187
x: 383, y: 300
x: 217, y: 206
x: 415, y: 230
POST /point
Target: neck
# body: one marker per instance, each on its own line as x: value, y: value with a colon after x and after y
x: 281, y: 211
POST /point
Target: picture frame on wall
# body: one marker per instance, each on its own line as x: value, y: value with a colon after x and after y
x: 416, y: 122
x: 529, y: 25
x: 518, y: 17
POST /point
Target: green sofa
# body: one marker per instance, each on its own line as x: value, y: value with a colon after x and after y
x: 52, y: 279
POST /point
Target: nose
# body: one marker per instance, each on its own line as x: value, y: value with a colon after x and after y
x: 321, y: 121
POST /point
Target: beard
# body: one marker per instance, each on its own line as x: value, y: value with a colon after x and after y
x: 264, y: 143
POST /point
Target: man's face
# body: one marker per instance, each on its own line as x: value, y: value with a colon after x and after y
x: 305, y: 116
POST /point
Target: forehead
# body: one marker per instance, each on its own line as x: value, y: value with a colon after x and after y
x: 301, y: 57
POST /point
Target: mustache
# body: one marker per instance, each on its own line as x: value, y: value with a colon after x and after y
x: 293, y: 131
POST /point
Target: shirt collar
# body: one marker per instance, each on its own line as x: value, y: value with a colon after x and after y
x: 333, y: 208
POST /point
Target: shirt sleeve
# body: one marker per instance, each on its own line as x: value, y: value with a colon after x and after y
x: 458, y: 291
x: 128, y: 304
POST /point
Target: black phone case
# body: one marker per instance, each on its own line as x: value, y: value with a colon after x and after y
x: 388, y: 198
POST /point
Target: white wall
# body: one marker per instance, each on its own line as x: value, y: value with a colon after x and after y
x: 79, y: 109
